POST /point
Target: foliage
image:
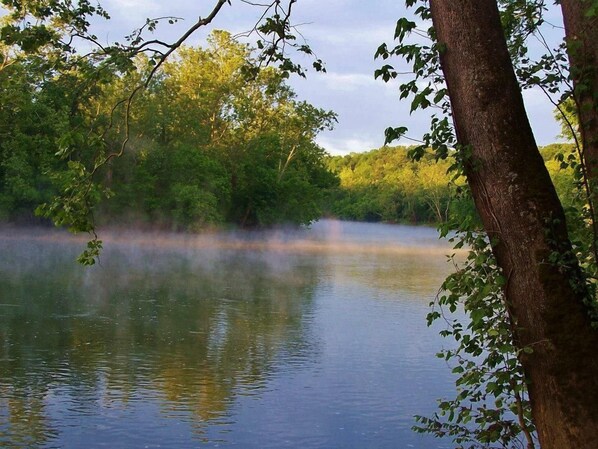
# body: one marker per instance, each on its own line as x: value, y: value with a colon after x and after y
x: 491, y: 408
x: 386, y: 185
x: 98, y: 127
x: 216, y: 117
x: 39, y: 119
x: 204, y: 144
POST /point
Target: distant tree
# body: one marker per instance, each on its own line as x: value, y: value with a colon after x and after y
x: 385, y: 185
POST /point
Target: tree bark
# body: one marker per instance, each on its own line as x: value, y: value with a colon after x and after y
x: 581, y: 32
x: 525, y: 222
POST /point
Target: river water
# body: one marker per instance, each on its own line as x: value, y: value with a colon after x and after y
x: 289, y: 339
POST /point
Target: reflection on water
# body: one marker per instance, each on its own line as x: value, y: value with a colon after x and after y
x: 312, y: 338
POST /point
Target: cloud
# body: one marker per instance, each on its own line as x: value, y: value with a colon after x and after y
x: 349, y: 81
x: 541, y: 116
x: 342, y: 146
x: 370, y: 36
x: 345, y: 34
x: 139, y: 7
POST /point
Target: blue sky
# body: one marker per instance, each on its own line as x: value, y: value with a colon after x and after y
x: 345, y: 34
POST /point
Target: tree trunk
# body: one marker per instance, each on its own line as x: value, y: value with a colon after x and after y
x: 525, y: 221
x: 582, y: 46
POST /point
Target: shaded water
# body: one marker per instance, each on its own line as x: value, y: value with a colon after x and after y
x: 304, y: 339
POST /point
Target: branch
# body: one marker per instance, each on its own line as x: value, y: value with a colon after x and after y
x: 171, y: 48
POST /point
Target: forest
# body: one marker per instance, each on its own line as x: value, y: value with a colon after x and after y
x: 207, y: 148
x: 388, y: 185
x: 204, y: 146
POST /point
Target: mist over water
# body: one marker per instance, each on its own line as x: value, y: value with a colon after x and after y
x: 288, y: 338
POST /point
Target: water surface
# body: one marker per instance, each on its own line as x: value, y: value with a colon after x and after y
x: 304, y: 339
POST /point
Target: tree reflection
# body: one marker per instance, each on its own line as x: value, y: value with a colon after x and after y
x: 192, y: 330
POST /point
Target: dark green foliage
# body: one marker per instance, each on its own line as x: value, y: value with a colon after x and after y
x: 31, y: 128
x: 175, y: 185
x: 201, y: 146
x: 491, y: 408
x: 265, y: 192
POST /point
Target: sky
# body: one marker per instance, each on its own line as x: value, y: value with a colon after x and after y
x: 343, y: 33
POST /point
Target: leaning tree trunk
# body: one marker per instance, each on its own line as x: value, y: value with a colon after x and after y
x: 581, y: 30
x: 525, y: 221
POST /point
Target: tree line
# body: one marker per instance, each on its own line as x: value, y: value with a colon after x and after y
x: 213, y: 139
x: 388, y: 185
x: 207, y: 148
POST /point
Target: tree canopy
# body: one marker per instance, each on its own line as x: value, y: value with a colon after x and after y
x: 205, y: 144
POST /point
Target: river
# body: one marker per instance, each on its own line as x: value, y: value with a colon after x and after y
x: 290, y: 339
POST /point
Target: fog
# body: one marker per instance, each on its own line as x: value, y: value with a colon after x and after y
x: 324, y: 237
x: 282, y: 338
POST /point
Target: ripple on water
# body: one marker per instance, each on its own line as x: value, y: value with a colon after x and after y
x: 311, y: 340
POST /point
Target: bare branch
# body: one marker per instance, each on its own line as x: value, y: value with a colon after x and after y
x: 200, y: 22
